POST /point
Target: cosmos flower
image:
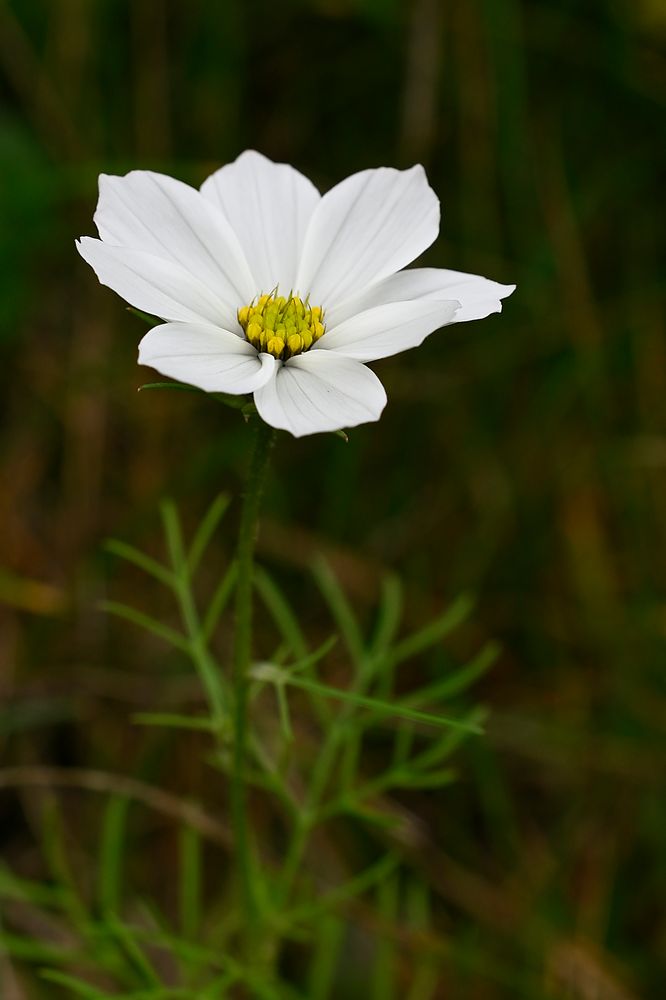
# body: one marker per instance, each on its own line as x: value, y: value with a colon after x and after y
x: 269, y: 288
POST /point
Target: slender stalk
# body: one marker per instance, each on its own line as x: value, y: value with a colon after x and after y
x: 242, y: 659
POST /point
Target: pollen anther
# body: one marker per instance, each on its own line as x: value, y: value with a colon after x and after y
x: 281, y: 326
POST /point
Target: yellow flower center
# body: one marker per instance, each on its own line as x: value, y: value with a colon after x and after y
x: 282, y: 327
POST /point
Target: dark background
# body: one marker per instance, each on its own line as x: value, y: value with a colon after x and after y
x: 522, y: 457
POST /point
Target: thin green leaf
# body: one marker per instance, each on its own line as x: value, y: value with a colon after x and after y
x: 235, y: 402
x: 111, y: 854
x: 219, y: 986
x: 32, y: 950
x: 146, y: 622
x: 174, y: 536
x: 400, y: 776
x: 404, y: 740
x: 274, y: 672
x: 313, y: 658
x: 128, y: 944
x: 432, y: 779
x: 433, y: 632
x: 354, y: 805
x: 380, y: 707
x: 426, y: 978
x: 140, y: 559
x: 283, y: 711
x: 390, y: 613
x: 327, y: 947
x: 190, y: 883
x: 348, y: 890
x: 443, y: 747
x: 219, y: 602
x: 281, y: 613
x: 340, y: 609
x: 351, y: 755
x: 384, y: 967
x: 55, y: 852
x: 206, y: 529
x: 76, y: 986
x: 37, y: 893
x: 171, y: 720
x: 163, y: 939
x: 254, y: 977
x: 458, y: 681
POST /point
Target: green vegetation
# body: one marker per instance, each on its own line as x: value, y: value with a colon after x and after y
x: 508, y: 851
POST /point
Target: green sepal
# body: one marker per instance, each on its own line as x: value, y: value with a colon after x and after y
x: 178, y: 386
x: 241, y: 403
x: 145, y: 317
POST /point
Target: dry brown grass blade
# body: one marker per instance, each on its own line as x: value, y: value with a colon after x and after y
x: 577, y: 972
x: 188, y: 813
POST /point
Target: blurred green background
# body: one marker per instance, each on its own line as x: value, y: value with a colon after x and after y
x: 522, y: 457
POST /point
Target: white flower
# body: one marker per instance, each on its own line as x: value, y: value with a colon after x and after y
x: 267, y: 287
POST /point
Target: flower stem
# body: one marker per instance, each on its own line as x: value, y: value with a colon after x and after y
x: 264, y: 437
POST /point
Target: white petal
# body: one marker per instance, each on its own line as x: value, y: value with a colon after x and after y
x: 369, y: 226
x: 269, y: 206
x: 386, y: 330
x: 152, y: 212
x: 154, y: 284
x: 320, y: 391
x: 478, y: 297
x: 206, y: 356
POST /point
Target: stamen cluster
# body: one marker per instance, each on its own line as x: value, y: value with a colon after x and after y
x: 282, y: 326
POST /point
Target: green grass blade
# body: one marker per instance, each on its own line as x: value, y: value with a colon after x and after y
x: 171, y: 720
x: 457, y: 681
x: 384, y: 966
x: 176, y: 639
x: 340, y: 609
x: 313, y: 658
x: 190, y: 883
x: 140, y: 559
x: 219, y: 602
x: 281, y: 613
x: 112, y: 853
x: 283, y: 713
x: 55, y: 853
x: 131, y: 949
x: 426, y: 978
x: 31, y: 950
x: 432, y: 633
x: 174, y: 536
x: 348, y: 890
x: 75, y: 986
x: 443, y: 747
x: 37, y: 893
x: 381, y: 708
x: 390, y: 613
x: 432, y: 779
x: 328, y: 943
x: 206, y: 530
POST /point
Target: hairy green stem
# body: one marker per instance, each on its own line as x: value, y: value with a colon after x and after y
x: 242, y: 660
